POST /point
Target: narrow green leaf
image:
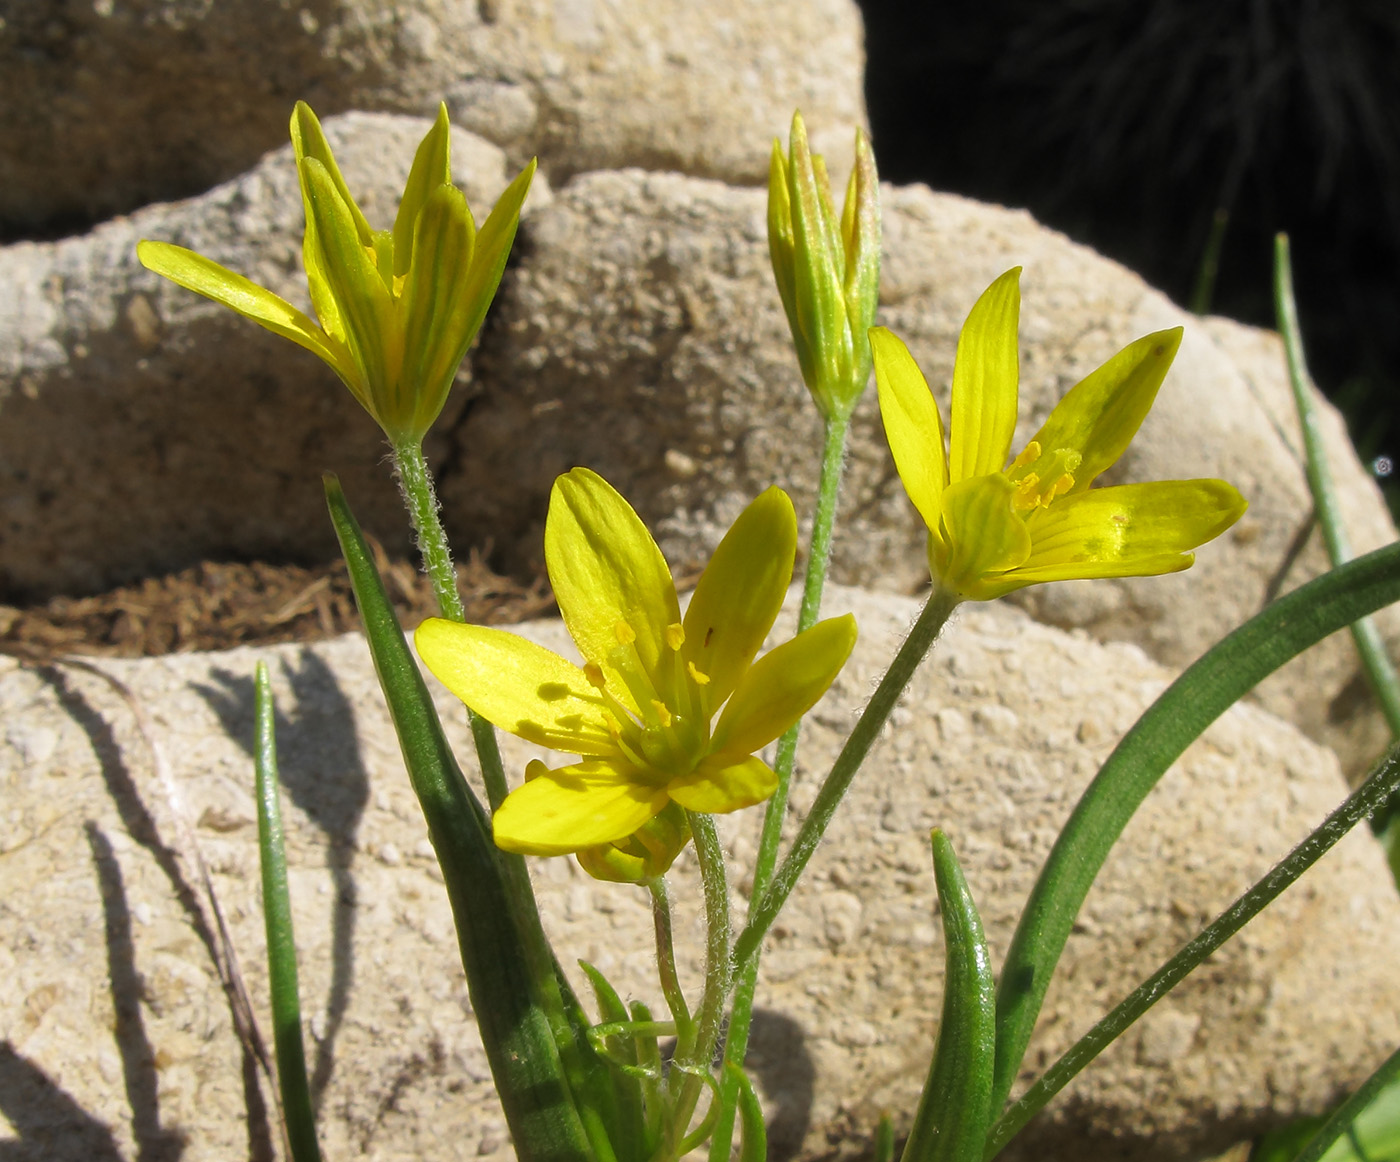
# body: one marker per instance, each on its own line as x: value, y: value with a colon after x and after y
x: 505, y: 987
x: 884, y: 1139
x: 754, y: 1142
x: 951, y: 1124
x: 1361, y: 804
x: 1196, y: 699
x: 281, y: 943
x: 1373, y: 1124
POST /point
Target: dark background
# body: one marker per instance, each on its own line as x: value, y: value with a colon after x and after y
x: 1128, y: 124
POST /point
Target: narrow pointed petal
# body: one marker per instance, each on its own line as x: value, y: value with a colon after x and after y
x: 912, y: 427
x: 574, y: 807
x: 781, y: 244
x: 1099, y: 533
x: 432, y: 167
x: 986, y: 536
x: 435, y: 311
x: 985, y: 375
x: 366, y: 307
x: 607, y: 572
x: 206, y: 277
x: 724, y: 783
x: 517, y: 685
x: 492, y: 248
x: 1100, y: 415
x: 817, y: 273
x: 783, y: 685
x: 738, y: 596
x: 308, y: 141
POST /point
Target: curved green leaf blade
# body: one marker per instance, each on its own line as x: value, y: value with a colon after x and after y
x: 951, y: 1125
x: 1196, y: 699
x: 515, y: 1028
x: 1361, y: 804
x: 281, y: 943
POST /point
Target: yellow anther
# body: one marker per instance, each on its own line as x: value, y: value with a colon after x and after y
x: 624, y: 632
x: 1027, y: 495
x: 675, y: 635
x: 663, y: 712
x: 696, y: 676
x: 1029, y: 455
x: 594, y: 673
x: 1062, y: 486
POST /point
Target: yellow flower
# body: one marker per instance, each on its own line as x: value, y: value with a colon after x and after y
x: 398, y: 308
x: 827, y: 270
x: 638, y: 712
x: 993, y: 526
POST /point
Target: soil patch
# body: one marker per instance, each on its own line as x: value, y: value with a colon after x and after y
x: 218, y: 605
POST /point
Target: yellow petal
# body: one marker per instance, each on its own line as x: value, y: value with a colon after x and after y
x: 366, y: 307
x: 912, y: 426
x: 607, y: 572
x: 724, y: 783
x: 517, y: 685
x: 780, y: 243
x: 985, y: 375
x: 1100, y: 415
x: 308, y: 141
x: 1132, y: 530
x: 985, y: 536
x: 435, y: 312
x: 584, y: 805
x: 491, y: 249
x: 432, y: 167
x: 206, y: 277
x: 783, y: 685
x: 738, y: 596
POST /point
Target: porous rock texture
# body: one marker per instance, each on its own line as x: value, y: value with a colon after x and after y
x: 116, y: 103
x: 117, y: 1035
x: 637, y: 333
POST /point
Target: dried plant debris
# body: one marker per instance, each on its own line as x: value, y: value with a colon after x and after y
x: 214, y: 606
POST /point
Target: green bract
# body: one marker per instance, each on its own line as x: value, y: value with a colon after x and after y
x: 828, y: 271
x: 993, y: 526
x: 638, y: 712
x: 398, y: 308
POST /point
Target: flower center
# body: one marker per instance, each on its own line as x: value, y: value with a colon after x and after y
x: 668, y: 732
x: 1039, y: 476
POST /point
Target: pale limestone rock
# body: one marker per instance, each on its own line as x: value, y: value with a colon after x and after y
x: 113, y: 999
x: 123, y: 102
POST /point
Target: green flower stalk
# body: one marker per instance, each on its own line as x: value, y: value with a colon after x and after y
x: 827, y: 269
x: 397, y: 308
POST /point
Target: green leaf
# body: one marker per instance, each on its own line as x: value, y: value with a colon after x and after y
x: 754, y: 1146
x: 281, y: 944
x: 505, y: 989
x: 1196, y: 699
x: 951, y: 1124
x: 1369, y: 1119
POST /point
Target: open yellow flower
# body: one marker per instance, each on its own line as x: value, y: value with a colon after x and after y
x: 398, y: 308
x: 996, y: 526
x: 639, y: 711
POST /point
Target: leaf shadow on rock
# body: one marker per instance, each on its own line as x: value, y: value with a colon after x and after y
x: 153, y: 1144
x: 50, y: 1124
x: 141, y: 827
x: 320, y: 768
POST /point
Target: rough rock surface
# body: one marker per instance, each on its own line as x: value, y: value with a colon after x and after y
x: 639, y: 333
x: 117, y: 1035
x: 117, y: 103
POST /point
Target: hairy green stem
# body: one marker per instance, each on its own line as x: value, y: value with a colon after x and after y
x: 690, y: 1072
x: 818, y: 562
x: 1375, y: 660
x: 416, y: 483
x: 924, y: 633
x: 1360, y: 804
x: 666, y: 965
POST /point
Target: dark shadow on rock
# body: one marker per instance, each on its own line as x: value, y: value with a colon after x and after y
x: 138, y: 1058
x: 50, y: 1124
x: 778, y: 1057
x: 321, y: 771
x: 137, y: 821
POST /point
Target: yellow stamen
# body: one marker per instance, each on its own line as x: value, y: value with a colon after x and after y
x: 675, y: 635
x: 594, y: 673
x: 696, y: 676
x: 663, y: 712
x: 624, y: 633
x: 1029, y: 455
